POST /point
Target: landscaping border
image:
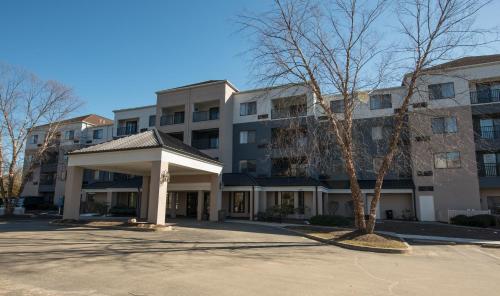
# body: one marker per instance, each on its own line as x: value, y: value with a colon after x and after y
x: 355, y: 247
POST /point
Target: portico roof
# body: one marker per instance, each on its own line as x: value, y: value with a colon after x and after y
x: 146, y: 140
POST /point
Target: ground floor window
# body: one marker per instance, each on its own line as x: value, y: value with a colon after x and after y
x: 239, y: 199
x: 126, y: 199
x: 287, y: 199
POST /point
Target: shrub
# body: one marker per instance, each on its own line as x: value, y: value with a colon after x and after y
x: 122, y: 211
x: 330, y: 220
x: 475, y: 221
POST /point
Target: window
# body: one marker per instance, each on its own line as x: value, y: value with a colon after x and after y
x: 444, y: 125
x: 96, y: 175
x: 239, y: 202
x: 97, y: 134
x: 377, y: 132
x: 34, y: 139
x: 247, y: 166
x: 249, y: 108
x: 287, y: 199
x: 447, y: 160
x: 377, y: 163
x: 247, y: 137
x: 441, y: 91
x: 152, y: 120
x: 382, y: 101
x: 69, y: 135
x: 337, y: 106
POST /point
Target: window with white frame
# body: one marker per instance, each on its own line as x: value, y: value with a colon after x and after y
x: 247, y: 166
x: 34, y: 139
x: 337, y: 106
x: 247, y: 137
x: 152, y: 120
x: 444, y: 125
x: 441, y: 91
x: 380, y: 101
x: 249, y: 108
x: 97, y: 134
x: 69, y: 135
x: 377, y: 132
x: 447, y: 160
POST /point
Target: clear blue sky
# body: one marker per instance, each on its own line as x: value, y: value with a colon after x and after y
x: 117, y: 53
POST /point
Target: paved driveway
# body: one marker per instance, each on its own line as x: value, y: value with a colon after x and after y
x: 226, y: 259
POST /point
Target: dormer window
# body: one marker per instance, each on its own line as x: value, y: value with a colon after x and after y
x: 380, y: 101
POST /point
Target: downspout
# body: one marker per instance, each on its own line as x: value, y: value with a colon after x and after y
x: 252, y: 216
x: 317, y: 205
x: 415, y: 203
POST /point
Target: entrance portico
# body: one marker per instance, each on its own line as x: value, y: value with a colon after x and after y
x: 164, y: 164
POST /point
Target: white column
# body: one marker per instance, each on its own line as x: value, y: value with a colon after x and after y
x: 215, y: 197
x: 73, y: 189
x: 109, y: 200
x: 144, y: 197
x: 173, y: 202
x: 199, y: 210
x: 158, y: 192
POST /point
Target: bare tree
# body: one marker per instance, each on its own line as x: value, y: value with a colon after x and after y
x: 333, y: 48
x: 26, y: 103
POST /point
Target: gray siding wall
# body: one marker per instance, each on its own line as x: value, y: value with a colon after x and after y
x: 371, y: 148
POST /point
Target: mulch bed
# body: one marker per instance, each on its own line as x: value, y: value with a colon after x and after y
x: 350, y: 237
x: 438, y: 229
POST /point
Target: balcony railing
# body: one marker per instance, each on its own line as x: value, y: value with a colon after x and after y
x: 126, y: 130
x: 489, y: 132
x: 171, y: 119
x: 288, y: 113
x: 48, y: 167
x: 489, y: 169
x: 485, y: 96
x: 205, y: 115
x: 205, y: 143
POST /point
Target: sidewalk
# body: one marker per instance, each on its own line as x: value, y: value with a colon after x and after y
x: 428, y: 238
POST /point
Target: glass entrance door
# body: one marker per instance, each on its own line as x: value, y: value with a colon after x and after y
x: 192, y: 204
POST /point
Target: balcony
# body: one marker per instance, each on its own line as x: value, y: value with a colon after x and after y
x: 212, y: 114
x: 205, y: 111
x: 48, y: 167
x: 206, y: 139
x: 171, y: 119
x: 489, y: 169
x: 489, y: 132
x: 289, y: 107
x: 126, y: 130
x: 485, y: 96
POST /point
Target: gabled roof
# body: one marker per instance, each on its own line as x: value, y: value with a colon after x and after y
x: 146, y: 140
x: 466, y: 61
x: 93, y: 119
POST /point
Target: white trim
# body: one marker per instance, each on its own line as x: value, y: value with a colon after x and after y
x: 205, y: 186
x: 114, y: 157
x: 348, y: 191
x: 190, y: 162
x: 110, y: 190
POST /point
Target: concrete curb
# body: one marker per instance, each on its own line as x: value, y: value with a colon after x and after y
x: 129, y: 228
x: 354, y: 247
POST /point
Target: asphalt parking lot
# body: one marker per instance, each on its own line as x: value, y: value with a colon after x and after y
x: 226, y: 259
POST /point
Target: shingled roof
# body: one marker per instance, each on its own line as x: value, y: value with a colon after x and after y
x: 146, y: 140
x: 466, y: 61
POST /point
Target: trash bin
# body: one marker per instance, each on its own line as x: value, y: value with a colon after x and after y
x: 389, y: 215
